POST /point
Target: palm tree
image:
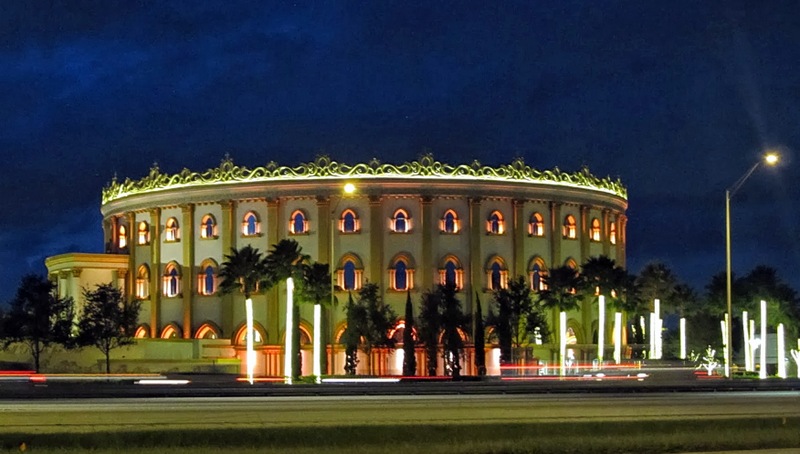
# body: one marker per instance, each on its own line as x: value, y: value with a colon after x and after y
x: 285, y: 261
x: 316, y: 288
x: 245, y: 270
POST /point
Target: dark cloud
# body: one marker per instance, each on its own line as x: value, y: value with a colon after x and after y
x: 677, y: 99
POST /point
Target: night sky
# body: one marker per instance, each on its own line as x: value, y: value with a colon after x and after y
x: 678, y: 99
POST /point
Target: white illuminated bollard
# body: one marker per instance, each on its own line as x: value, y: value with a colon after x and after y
x: 724, y: 327
x: 653, y: 354
x: 317, y: 372
x: 781, y: 353
x: 763, y: 372
x: 601, y: 329
x: 657, y: 327
x: 748, y: 359
x: 287, y: 360
x: 796, y: 357
x: 754, y: 343
x: 562, y: 345
x: 683, y: 338
x: 250, y: 358
x: 618, y: 337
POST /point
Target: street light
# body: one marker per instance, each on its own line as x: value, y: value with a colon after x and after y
x: 348, y: 188
x: 770, y: 159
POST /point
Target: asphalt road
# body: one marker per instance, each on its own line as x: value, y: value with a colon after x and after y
x: 59, y: 415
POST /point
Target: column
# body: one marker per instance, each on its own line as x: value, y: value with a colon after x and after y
x: 325, y: 235
x: 228, y: 227
x: 114, y: 235
x: 622, y: 239
x: 426, y: 223
x: 155, y: 271
x: 189, y: 273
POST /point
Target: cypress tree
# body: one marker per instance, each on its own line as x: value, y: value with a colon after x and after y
x: 480, y: 342
x: 409, y: 347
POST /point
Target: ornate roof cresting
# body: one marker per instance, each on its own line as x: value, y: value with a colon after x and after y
x: 324, y: 167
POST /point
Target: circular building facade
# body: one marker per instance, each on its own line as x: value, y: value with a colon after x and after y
x: 405, y: 227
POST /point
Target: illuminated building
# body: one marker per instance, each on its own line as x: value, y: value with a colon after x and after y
x: 407, y: 228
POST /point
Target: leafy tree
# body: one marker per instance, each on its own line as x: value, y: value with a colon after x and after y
x: 763, y: 283
x: 356, y: 324
x: 518, y: 318
x: 430, y: 325
x: 38, y: 318
x: 315, y: 287
x: 480, y: 340
x: 371, y: 320
x: 107, y: 321
x: 454, y: 322
x: 655, y: 280
x: 409, y: 347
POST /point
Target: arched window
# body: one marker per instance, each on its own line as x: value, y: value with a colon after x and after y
x: 536, y: 274
x: 258, y: 337
x: 570, y: 229
x: 172, y: 280
x: 348, y: 223
x: 594, y: 232
x: 208, y: 330
x: 612, y: 233
x: 349, y: 272
x: 449, y: 222
x: 172, y: 231
x: 495, y: 224
x: 143, y: 282
x: 401, y: 273
x: 401, y: 222
x: 122, y: 238
x: 451, y: 272
x: 207, y: 278
x: 298, y: 224
x: 171, y: 331
x: 496, y: 273
x: 251, y: 226
x: 144, y: 233
x: 208, y: 227
x: 142, y: 332
x: 536, y: 225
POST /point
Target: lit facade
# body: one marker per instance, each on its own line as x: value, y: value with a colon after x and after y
x: 406, y: 227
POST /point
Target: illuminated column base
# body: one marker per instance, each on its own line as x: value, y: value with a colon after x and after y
x: 562, y: 345
x: 762, y: 374
x: 748, y: 358
x: 725, y: 342
x: 287, y: 360
x: 601, y: 326
x: 683, y: 338
x: 250, y: 359
x: 317, y: 372
x: 781, y: 353
x: 618, y: 337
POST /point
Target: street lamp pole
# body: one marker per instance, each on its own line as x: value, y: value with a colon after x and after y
x: 771, y: 159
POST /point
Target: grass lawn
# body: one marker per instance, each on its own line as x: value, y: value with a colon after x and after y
x: 650, y: 436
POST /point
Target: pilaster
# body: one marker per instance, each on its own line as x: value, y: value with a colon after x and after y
x: 227, y: 235
x: 518, y: 235
x: 376, y: 231
x: 274, y: 227
x: 189, y: 274
x: 584, y: 234
x: 426, y: 223
x: 555, y: 235
x: 133, y: 244
x: 156, y: 272
x: 475, y: 253
x: 605, y: 233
